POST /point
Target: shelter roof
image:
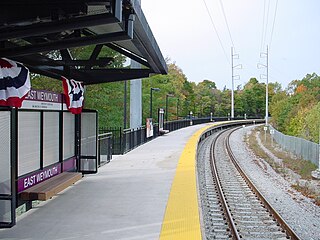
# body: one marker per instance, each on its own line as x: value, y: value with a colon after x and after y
x: 41, y: 34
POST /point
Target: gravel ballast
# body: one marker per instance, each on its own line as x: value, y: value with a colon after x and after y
x: 297, y: 210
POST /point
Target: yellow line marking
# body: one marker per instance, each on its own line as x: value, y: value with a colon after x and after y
x: 182, y: 220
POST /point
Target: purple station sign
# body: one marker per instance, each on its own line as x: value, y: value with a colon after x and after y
x: 34, y: 178
x: 43, y: 100
x: 38, y: 177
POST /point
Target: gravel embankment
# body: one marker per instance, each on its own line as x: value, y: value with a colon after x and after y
x: 297, y: 210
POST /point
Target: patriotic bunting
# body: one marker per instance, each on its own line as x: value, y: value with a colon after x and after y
x: 14, y: 83
x: 73, y: 91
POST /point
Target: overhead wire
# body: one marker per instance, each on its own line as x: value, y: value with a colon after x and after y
x: 225, y: 19
x: 263, y: 24
x: 274, y: 20
x: 216, y: 31
x: 267, y: 21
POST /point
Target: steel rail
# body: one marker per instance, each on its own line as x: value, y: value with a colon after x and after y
x: 290, y: 233
x: 232, y: 225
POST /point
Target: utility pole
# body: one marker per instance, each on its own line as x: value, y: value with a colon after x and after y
x: 266, y: 76
x: 267, y: 88
x: 239, y: 66
x: 232, y: 86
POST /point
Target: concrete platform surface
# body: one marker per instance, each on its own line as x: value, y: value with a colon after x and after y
x: 126, y: 200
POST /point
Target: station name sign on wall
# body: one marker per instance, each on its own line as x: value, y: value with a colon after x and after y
x: 40, y: 176
x: 44, y: 100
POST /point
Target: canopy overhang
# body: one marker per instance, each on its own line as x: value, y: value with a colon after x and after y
x: 30, y: 30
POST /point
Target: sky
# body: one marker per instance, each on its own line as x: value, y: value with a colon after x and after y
x: 186, y: 34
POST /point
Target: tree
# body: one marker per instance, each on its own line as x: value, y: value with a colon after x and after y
x: 253, y: 98
x: 294, y: 111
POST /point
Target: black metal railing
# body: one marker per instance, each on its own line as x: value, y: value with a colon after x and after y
x: 105, y: 148
x: 116, y: 141
x: 124, y: 140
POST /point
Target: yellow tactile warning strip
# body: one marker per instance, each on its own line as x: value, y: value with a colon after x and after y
x: 182, y: 220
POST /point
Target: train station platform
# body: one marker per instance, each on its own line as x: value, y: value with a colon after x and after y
x: 136, y: 196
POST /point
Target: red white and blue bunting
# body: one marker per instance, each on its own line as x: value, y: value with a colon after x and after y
x: 74, y: 92
x: 14, y: 83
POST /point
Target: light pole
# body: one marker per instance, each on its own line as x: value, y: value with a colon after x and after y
x: 152, y: 89
x: 167, y: 96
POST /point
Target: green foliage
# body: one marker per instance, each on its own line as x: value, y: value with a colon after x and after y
x: 251, y: 100
x: 292, y: 110
x: 296, y: 110
x: 45, y: 83
x: 107, y: 99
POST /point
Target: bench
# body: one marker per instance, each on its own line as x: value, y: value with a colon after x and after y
x: 47, y: 189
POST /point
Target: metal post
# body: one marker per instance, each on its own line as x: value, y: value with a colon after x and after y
x: 150, y: 115
x: 266, y: 76
x: 167, y: 108
x: 232, y: 88
x: 271, y: 135
x: 178, y: 108
x: 167, y: 96
x: 14, y: 164
x: 125, y: 106
x: 265, y: 133
x: 239, y: 66
x: 152, y: 89
x: 319, y: 150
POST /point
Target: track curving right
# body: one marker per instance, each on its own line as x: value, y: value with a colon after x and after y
x: 244, y: 213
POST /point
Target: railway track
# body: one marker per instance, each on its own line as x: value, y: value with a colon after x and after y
x: 232, y: 207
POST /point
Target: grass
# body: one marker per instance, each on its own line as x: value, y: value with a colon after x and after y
x: 308, y: 193
x: 259, y: 152
x: 289, y: 161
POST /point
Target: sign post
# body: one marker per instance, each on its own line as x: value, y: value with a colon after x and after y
x: 265, y: 128
x: 272, y: 133
x: 149, y: 127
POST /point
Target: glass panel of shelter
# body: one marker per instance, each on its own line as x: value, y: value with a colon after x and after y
x: 7, y: 200
x: 88, y: 156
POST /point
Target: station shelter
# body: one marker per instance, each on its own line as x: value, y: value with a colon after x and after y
x: 42, y: 139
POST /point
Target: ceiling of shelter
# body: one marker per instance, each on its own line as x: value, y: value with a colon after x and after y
x: 40, y: 33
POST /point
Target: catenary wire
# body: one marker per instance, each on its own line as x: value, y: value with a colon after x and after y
x: 216, y: 31
x: 263, y: 24
x: 267, y: 21
x: 274, y: 20
x: 225, y: 19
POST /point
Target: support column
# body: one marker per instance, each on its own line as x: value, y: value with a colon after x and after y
x: 135, y: 99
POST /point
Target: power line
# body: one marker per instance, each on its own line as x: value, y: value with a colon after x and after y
x: 225, y: 18
x: 216, y: 31
x: 274, y: 20
x: 262, y: 34
x: 266, y: 28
